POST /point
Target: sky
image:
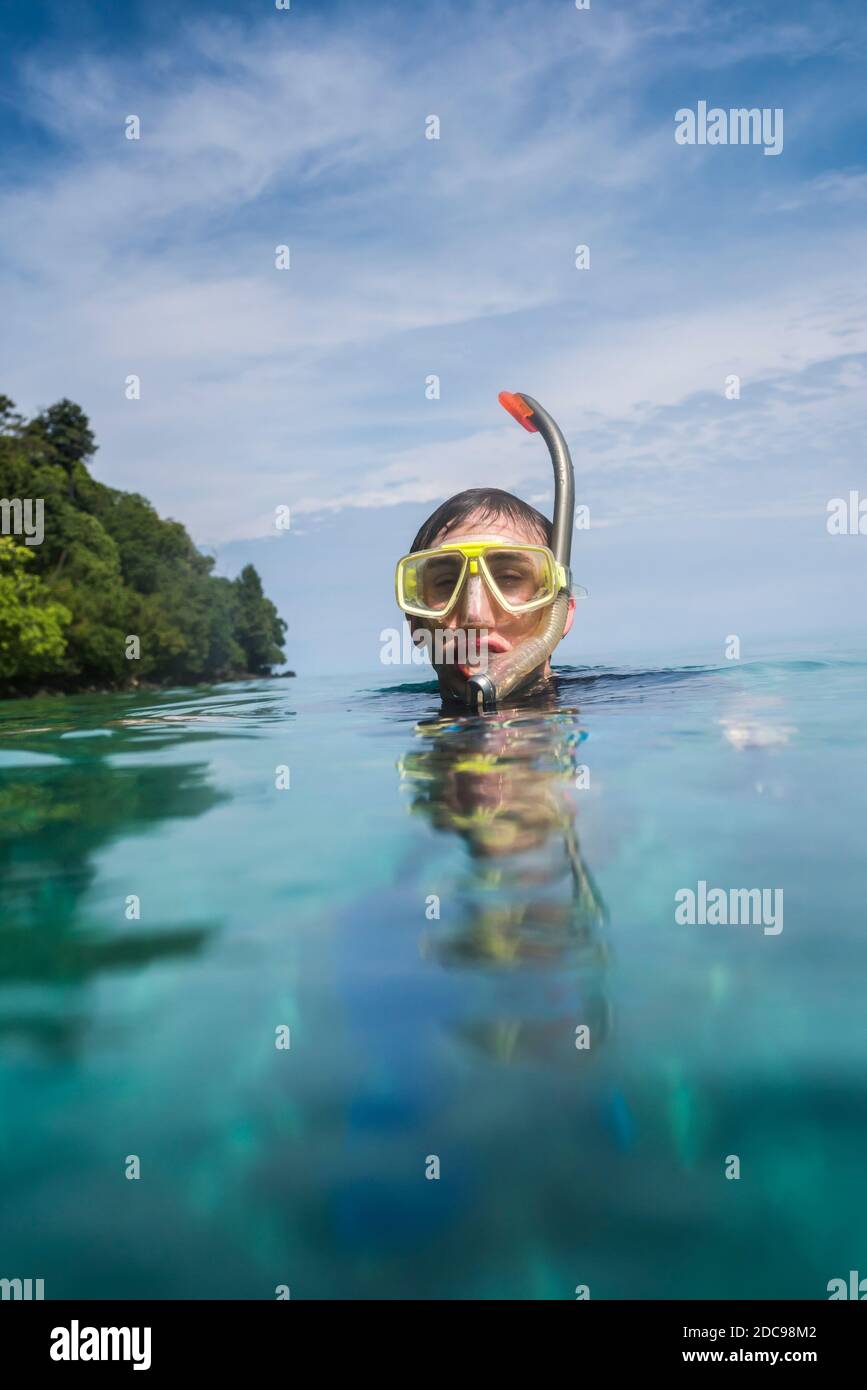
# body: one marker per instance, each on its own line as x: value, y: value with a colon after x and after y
x: 412, y: 257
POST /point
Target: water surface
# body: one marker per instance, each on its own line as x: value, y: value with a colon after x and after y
x: 432, y: 908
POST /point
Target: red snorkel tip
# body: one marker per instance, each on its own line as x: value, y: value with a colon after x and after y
x: 518, y: 408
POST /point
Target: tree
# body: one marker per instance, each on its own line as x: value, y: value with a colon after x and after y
x: 67, y: 431
x: 259, y: 629
x: 10, y: 420
x: 110, y: 567
x: 31, y: 625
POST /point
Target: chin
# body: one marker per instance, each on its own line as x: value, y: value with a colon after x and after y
x: 453, y: 686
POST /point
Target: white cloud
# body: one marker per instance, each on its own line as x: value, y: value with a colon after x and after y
x: 411, y: 257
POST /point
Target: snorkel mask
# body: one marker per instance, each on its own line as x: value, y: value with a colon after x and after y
x: 522, y: 578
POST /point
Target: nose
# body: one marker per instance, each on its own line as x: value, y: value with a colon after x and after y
x: 475, y: 608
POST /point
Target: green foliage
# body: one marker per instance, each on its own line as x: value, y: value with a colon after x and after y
x: 258, y: 626
x: 110, y: 567
x: 67, y: 431
x: 31, y: 625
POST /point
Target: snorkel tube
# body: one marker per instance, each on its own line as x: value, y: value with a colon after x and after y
x: 485, y: 692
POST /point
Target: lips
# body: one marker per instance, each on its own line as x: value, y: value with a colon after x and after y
x: 494, y: 646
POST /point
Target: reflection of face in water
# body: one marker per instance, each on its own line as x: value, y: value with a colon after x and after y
x: 525, y: 902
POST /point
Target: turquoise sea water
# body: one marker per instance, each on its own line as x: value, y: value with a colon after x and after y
x: 554, y: 839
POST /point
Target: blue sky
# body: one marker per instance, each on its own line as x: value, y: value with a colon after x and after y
x: 411, y: 257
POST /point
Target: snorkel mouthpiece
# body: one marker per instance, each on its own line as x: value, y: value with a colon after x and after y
x: 481, y: 693
x: 506, y: 671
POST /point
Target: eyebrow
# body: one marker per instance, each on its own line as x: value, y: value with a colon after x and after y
x: 443, y: 561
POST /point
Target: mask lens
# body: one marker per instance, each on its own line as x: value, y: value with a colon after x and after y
x: 435, y: 580
x: 522, y: 576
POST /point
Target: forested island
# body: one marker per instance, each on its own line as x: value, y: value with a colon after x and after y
x: 99, y: 592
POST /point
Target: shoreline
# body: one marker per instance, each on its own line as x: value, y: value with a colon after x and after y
x: 42, y: 692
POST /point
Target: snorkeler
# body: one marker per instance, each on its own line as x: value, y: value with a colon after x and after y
x: 487, y: 583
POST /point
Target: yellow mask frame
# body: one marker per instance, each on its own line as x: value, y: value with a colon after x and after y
x: 474, y: 555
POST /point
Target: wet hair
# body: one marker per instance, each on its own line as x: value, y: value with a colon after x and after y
x: 491, y: 502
